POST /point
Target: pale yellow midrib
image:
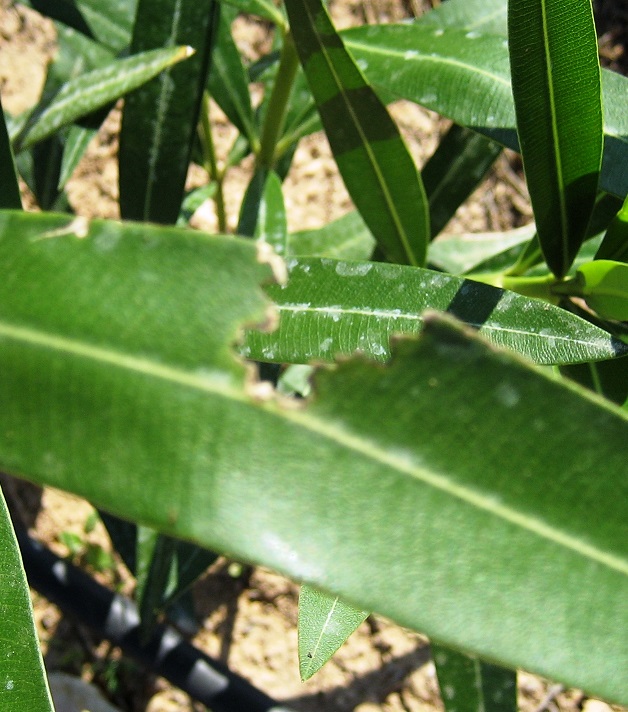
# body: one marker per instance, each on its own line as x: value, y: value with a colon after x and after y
x: 330, y: 431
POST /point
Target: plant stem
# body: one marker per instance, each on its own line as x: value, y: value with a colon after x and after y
x: 210, y: 163
x: 278, y: 103
x: 539, y: 287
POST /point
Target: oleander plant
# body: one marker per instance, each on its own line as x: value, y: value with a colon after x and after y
x: 435, y: 430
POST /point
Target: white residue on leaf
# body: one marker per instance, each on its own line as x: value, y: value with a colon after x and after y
x: 353, y: 269
x: 363, y: 64
x: 107, y: 240
x: 507, y: 394
x: 79, y: 227
x: 449, y: 691
x: 439, y: 32
x: 472, y: 35
x: 9, y: 685
x: 326, y: 343
x: 283, y: 555
x: 441, y: 658
x: 410, y: 54
x: 377, y: 349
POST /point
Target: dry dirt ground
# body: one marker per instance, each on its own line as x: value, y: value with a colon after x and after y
x: 249, y: 621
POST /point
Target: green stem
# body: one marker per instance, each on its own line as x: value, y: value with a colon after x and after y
x: 539, y: 287
x: 210, y: 163
x: 278, y: 103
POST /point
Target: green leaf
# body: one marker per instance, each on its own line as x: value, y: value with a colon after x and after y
x: 604, y: 211
x: 458, y: 165
x: 462, y: 253
x: 160, y: 119
x: 608, y: 378
x: 76, y: 55
x: 76, y: 143
x: 23, y: 684
x: 9, y: 187
x: 249, y: 209
x: 325, y: 622
x: 371, y: 156
x: 604, y: 285
x: 107, y: 21
x: 92, y: 91
x: 272, y: 226
x: 331, y: 307
x: 261, y: 8
x: 615, y: 243
x: 468, y: 684
x: 427, y: 65
x: 148, y: 378
x: 228, y: 81
x: 614, y: 178
x: 347, y: 238
x: 193, y: 201
x: 485, y: 16
x: 557, y: 93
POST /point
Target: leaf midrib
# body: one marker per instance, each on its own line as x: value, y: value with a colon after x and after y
x: 556, y: 144
x: 314, y: 652
x: 297, y: 308
x: 419, y: 56
x: 331, y: 430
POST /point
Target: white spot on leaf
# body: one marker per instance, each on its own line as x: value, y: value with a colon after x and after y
x: 507, y: 395
x: 353, y: 269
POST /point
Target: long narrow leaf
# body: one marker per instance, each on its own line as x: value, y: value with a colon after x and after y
x: 486, y: 16
x: 458, y: 254
x: 23, y: 684
x: 452, y: 173
x: 325, y: 623
x: 107, y: 21
x: 228, y: 82
x: 557, y: 93
x: 9, y: 187
x: 160, y: 119
x: 331, y: 307
x: 272, y: 226
x: 368, y: 149
x: 346, y: 238
x: 96, y: 89
x: 262, y: 8
x: 468, y: 684
x: 480, y: 458
x: 465, y: 76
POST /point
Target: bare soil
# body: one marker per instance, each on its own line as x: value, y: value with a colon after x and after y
x: 249, y: 621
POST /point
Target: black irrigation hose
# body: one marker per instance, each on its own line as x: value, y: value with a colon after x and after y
x: 115, y: 618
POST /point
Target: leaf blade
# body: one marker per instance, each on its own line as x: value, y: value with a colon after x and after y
x: 426, y: 64
x: 468, y: 684
x: 368, y: 149
x: 557, y: 93
x: 325, y: 623
x: 160, y: 118
x: 331, y: 307
x: 23, y: 684
x: 9, y: 188
x: 92, y: 91
x: 153, y: 361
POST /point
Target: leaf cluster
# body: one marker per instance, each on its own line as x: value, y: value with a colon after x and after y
x: 444, y: 432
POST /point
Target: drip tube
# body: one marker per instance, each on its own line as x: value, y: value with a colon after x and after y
x: 116, y: 618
